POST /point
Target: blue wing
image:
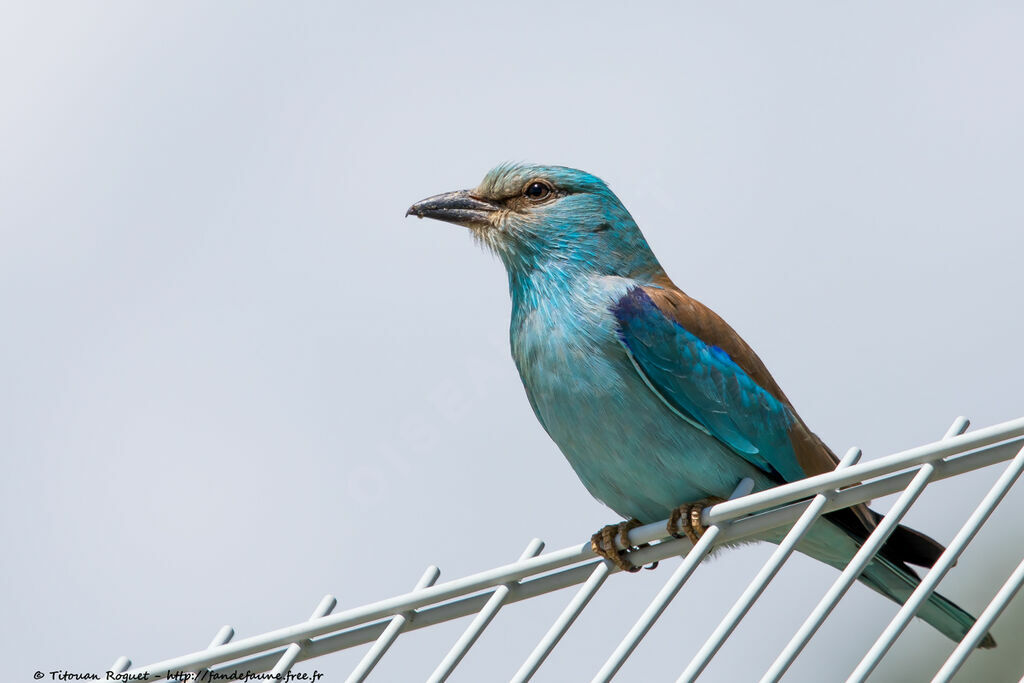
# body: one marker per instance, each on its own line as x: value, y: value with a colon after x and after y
x: 702, y: 384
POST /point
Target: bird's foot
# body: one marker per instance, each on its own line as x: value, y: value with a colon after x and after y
x: 686, y: 517
x: 603, y: 544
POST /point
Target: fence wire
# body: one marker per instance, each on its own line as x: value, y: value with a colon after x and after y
x: 795, y: 505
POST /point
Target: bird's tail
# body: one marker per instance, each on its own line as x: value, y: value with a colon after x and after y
x: 832, y: 541
x: 897, y: 584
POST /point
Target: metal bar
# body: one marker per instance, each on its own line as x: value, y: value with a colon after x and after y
x: 291, y: 653
x: 360, y: 635
x: 958, y: 427
x: 857, y: 564
x: 945, y: 561
x: 993, y: 452
x: 666, y: 594
x: 479, y: 623
x: 744, y: 528
x: 563, y: 622
x: 982, y: 626
x: 383, y: 609
x: 895, y: 483
x: 576, y: 575
x: 222, y: 636
x: 225, y: 634
x: 422, y: 618
x: 853, y: 475
x: 762, y: 579
x: 390, y: 634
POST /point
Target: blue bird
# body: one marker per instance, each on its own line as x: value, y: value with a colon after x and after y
x: 659, y: 406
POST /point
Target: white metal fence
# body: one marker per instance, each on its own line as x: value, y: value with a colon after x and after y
x: 794, y: 505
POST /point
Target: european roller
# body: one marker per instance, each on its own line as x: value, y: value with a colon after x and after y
x: 659, y: 406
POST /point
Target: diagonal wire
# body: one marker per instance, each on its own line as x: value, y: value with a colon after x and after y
x: 763, y: 578
x: 390, y: 634
x: 536, y: 577
x: 856, y: 565
x: 120, y: 665
x: 981, y: 626
x: 666, y: 594
x: 479, y: 623
x: 562, y: 624
x: 956, y: 547
x: 775, y: 508
x: 291, y: 653
x: 223, y: 635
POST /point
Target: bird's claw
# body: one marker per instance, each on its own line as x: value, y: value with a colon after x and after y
x: 687, y: 518
x: 603, y: 544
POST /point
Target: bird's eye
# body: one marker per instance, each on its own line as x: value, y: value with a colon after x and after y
x: 537, y: 190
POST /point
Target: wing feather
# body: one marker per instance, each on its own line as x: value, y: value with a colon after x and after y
x: 702, y: 369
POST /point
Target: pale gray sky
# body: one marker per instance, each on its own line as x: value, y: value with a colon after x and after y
x: 235, y: 378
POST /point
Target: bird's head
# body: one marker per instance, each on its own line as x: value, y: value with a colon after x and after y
x: 547, y: 218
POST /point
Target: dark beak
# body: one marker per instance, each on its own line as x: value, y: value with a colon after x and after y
x: 461, y: 208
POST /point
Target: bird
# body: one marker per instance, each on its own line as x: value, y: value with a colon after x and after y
x: 658, y: 405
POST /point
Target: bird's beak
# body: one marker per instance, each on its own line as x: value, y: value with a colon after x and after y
x: 461, y: 208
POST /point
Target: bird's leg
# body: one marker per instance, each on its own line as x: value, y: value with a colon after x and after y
x: 687, y: 517
x: 603, y: 544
